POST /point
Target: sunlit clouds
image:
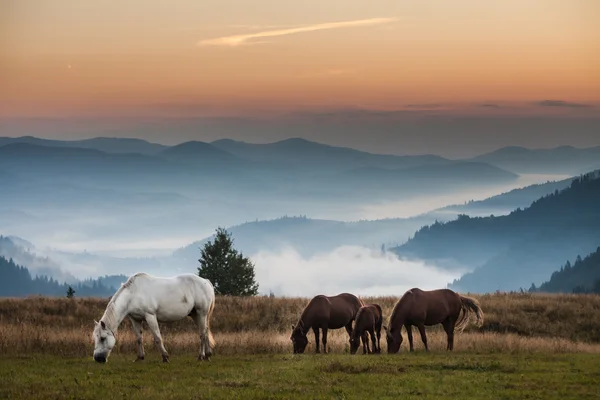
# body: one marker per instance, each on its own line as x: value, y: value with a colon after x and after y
x: 238, y: 40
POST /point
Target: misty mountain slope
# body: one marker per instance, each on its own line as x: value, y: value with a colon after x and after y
x: 39, y: 160
x: 202, y: 154
x: 55, y: 192
x: 301, y: 153
x: 559, y: 160
x: 227, y: 175
x: 17, y: 281
x: 311, y: 236
x: 453, y: 170
x: 430, y: 179
x: 509, y: 201
x: 118, y: 171
x: 62, y: 266
x: 105, y: 144
x: 512, y: 251
x: 582, y: 275
x: 23, y: 253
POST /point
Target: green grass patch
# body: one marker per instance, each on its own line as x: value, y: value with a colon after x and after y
x: 332, y: 376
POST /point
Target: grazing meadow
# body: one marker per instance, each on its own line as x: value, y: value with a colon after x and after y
x: 530, y: 345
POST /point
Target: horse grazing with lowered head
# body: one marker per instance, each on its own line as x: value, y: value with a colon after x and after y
x: 368, y: 320
x: 154, y: 299
x: 324, y: 312
x: 420, y: 308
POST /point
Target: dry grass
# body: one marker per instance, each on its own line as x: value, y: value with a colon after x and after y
x: 513, y: 323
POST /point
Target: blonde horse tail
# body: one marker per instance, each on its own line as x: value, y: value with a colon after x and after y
x: 468, y: 305
x: 211, y: 339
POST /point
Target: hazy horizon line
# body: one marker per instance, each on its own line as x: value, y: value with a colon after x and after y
x: 290, y: 138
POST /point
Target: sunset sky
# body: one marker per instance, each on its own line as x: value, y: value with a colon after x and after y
x: 208, y: 58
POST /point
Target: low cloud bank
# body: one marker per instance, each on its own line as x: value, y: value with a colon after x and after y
x: 358, y: 270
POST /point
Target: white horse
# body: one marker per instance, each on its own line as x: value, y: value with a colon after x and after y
x: 152, y: 299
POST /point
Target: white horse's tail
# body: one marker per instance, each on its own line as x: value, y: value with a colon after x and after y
x: 211, y: 339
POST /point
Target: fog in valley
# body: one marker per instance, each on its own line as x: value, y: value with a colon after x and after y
x: 354, y: 269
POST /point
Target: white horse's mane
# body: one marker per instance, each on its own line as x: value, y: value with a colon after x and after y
x: 110, y: 316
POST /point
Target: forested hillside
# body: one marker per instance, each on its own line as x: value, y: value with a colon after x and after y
x: 16, y: 281
x: 512, y: 251
x: 583, y: 276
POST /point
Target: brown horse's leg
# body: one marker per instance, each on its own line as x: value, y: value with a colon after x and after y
x: 324, y: 329
x: 349, y: 330
x: 449, y: 328
x: 421, y: 327
x: 379, y: 338
x: 372, y: 333
x: 316, y: 331
x: 365, y: 343
x: 410, y: 336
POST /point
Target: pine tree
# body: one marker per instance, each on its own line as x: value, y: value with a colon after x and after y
x: 70, y: 292
x: 228, y: 270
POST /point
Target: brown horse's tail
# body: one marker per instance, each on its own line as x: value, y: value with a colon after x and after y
x: 211, y: 339
x: 468, y: 305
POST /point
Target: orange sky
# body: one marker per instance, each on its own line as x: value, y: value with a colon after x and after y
x: 148, y: 57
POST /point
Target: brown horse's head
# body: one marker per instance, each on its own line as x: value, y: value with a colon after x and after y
x: 394, y: 339
x: 354, y: 343
x: 299, y: 339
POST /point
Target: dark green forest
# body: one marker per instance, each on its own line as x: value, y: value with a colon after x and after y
x: 16, y: 281
x: 583, y: 276
x: 512, y: 251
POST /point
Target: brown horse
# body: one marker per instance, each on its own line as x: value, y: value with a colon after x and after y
x: 324, y: 312
x: 419, y: 308
x: 368, y: 320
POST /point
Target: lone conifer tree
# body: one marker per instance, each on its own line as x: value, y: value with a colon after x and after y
x: 228, y: 270
x: 70, y: 292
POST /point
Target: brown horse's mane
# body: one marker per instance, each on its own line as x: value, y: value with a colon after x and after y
x: 397, y: 307
x: 359, y: 313
x: 300, y: 322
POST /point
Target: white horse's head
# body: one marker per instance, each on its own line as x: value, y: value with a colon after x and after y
x: 104, y: 341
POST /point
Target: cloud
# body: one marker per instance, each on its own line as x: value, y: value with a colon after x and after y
x: 426, y: 106
x: 490, y: 105
x: 561, y: 103
x: 353, y: 269
x: 238, y: 40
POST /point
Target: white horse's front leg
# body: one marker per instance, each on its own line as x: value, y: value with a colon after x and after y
x: 153, y: 325
x: 137, y: 329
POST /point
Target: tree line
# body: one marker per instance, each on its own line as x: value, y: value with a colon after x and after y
x: 583, y: 276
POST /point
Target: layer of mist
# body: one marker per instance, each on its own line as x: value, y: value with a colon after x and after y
x: 358, y: 270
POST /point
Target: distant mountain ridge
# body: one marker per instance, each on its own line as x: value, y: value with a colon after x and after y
x: 297, y: 151
x: 106, y: 144
x: 562, y: 159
